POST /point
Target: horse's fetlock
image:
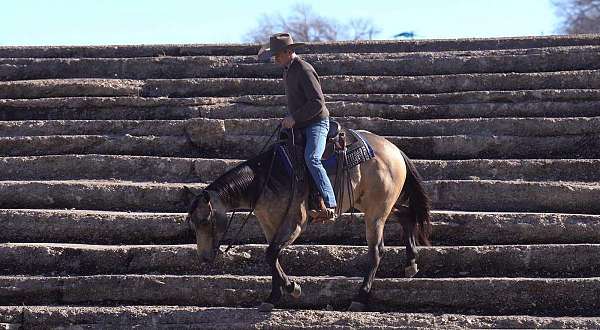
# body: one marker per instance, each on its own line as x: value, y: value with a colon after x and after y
x: 363, y: 295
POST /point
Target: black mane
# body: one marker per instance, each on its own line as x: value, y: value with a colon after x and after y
x: 245, y: 181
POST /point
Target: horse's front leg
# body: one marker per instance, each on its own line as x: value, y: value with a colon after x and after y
x: 286, y: 235
x: 279, y: 280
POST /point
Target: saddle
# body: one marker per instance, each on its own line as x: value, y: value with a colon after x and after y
x: 344, y: 149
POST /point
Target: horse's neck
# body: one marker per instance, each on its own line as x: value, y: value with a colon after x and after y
x: 233, y: 203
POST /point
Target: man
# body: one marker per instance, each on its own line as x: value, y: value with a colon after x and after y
x: 307, y: 112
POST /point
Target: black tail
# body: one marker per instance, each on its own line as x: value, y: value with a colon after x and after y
x: 419, y: 202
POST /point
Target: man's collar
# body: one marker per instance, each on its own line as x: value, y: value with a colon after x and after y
x: 294, y: 57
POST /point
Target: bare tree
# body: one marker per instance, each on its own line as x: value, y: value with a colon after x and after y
x: 306, y: 25
x: 578, y: 16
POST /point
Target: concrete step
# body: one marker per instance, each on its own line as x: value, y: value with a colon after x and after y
x: 98, y: 144
x: 209, y: 142
x: 188, y: 317
x: 389, y: 127
x: 214, y: 142
x: 550, y: 261
x: 449, y: 228
x: 534, y: 296
x: 175, y: 169
x: 94, y: 127
x: 555, y: 109
x: 469, y: 97
x: 474, y: 146
x: 370, y: 46
x: 384, y: 64
x: 29, y: 89
x: 371, y: 84
x: 466, y: 195
x: 582, y: 79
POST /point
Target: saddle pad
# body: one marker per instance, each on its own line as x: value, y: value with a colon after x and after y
x: 283, y: 156
x: 359, y: 151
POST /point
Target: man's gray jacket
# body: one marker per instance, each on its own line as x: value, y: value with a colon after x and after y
x: 304, y: 95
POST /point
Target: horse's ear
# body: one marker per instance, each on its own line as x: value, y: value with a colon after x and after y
x: 188, y: 195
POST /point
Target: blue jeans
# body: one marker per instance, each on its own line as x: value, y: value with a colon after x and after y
x: 316, y: 137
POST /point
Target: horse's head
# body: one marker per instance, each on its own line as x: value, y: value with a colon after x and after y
x: 207, y: 218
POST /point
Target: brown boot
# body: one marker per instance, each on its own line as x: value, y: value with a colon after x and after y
x: 323, y: 213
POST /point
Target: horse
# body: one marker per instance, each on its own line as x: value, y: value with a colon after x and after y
x: 385, y: 186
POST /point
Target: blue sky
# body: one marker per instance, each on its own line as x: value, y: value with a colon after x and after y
x: 105, y: 22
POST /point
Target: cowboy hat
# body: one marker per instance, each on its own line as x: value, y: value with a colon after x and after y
x: 277, y: 43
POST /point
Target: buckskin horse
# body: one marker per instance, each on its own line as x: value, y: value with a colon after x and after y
x: 384, y: 186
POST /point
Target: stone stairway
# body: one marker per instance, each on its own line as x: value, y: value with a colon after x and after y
x: 97, y: 143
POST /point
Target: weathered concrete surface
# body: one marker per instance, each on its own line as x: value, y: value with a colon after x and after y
x: 209, y: 141
x: 380, y: 126
x: 214, y: 143
x: 512, y: 169
x: 499, y: 296
x: 98, y: 167
x: 95, y: 195
x: 366, y: 46
x: 385, y: 64
x: 125, y: 144
x: 550, y: 260
x: 449, y: 228
x: 475, y: 146
x: 177, y: 169
x: 27, y: 89
x: 377, y: 84
x: 174, y: 317
x: 582, y: 79
x: 431, y: 127
x: 554, y: 109
x: 11, y: 315
x: 113, y: 113
x: 492, y: 195
x: 457, y: 97
x: 94, y: 127
x: 474, y: 104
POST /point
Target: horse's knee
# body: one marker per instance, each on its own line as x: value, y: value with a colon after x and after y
x: 376, y: 253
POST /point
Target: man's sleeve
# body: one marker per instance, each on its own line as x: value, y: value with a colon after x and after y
x: 309, y: 83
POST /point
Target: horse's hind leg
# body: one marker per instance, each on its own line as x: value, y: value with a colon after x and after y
x: 408, y: 229
x: 375, y: 242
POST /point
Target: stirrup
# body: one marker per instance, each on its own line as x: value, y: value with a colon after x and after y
x: 322, y: 215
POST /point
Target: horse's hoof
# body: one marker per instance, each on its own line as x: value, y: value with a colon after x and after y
x: 356, y: 306
x: 411, y: 270
x: 297, y: 291
x: 266, y: 307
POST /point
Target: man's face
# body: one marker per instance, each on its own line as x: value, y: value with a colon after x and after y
x: 283, y: 57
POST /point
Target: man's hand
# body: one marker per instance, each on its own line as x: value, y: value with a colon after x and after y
x: 288, y: 122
